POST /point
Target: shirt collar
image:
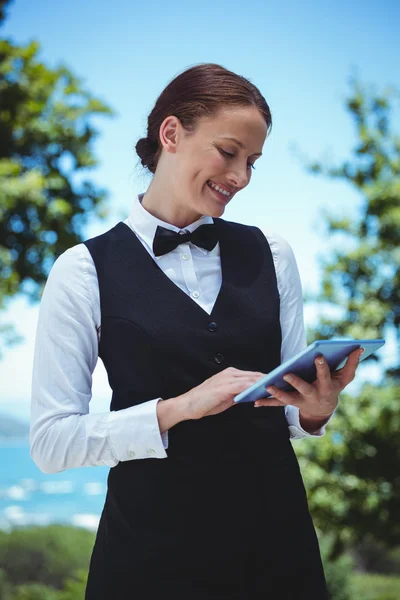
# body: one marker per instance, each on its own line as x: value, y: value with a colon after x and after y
x: 145, y: 224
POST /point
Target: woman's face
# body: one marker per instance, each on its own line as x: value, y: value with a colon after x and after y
x: 210, y: 155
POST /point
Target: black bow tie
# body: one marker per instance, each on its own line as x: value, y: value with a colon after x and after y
x: 165, y: 240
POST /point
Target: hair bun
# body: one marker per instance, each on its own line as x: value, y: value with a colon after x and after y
x: 145, y: 149
x: 145, y: 146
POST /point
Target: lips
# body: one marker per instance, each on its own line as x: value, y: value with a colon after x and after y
x: 227, y: 188
x: 221, y: 197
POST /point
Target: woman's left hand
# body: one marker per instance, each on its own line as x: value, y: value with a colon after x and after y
x: 316, y: 401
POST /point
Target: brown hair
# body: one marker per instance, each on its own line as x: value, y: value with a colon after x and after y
x: 199, y: 91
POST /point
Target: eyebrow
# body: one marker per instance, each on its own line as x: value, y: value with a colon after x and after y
x: 239, y: 143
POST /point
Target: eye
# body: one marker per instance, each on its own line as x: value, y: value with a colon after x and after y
x: 229, y: 155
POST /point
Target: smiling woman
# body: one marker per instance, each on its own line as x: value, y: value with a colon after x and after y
x: 216, y: 131
x: 205, y: 499
x: 203, y: 157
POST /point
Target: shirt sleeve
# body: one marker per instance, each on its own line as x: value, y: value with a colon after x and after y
x: 291, y: 318
x: 63, y: 435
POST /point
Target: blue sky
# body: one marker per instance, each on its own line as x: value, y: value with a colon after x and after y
x: 300, y: 55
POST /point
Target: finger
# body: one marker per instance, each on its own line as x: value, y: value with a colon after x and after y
x: 238, y: 385
x: 347, y: 373
x: 323, y: 371
x: 238, y: 373
x: 268, y: 402
x: 284, y: 397
x: 304, y: 388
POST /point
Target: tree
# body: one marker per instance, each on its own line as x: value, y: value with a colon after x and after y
x: 34, y: 591
x: 46, y: 139
x: 74, y: 587
x: 3, y: 4
x: 45, y: 555
x: 5, y: 587
x: 352, y: 474
x: 362, y: 277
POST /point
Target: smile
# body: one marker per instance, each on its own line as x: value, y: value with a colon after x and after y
x: 219, y: 189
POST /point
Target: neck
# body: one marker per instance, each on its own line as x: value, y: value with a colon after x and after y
x: 161, y: 202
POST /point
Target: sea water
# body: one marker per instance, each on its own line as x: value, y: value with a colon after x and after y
x: 28, y: 496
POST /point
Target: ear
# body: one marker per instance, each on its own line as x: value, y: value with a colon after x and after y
x: 169, y: 133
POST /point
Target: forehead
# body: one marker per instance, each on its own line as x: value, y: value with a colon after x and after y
x: 245, y: 123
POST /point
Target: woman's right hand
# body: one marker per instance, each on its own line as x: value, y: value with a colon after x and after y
x: 216, y: 393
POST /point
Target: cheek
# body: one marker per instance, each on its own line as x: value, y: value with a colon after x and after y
x: 214, y: 165
x: 200, y: 166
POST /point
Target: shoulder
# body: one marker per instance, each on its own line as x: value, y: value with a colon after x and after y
x: 287, y: 272
x: 79, y: 259
x: 72, y: 270
x: 281, y: 249
x: 113, y: 236
x: 72, y: 285
x: 72, y: 261
x: 285, y: 263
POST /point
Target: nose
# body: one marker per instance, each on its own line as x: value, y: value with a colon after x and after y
x: 239, y: 177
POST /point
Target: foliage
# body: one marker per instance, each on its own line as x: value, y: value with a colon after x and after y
x: 351, y: 476
x: 46, y: 139
x: 3, y: 4
x: 5, y: 586
x: 58, y: 570
x: 376, y: 557
x: 337, y: 572
x: 47, y: 555
x: 35, y: 591
x: 375, y: 587
x: 74, y: 588
x: 361, y: 279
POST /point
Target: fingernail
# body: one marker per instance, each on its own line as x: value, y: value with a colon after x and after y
x: 287, y: 378
x: 270, y: 390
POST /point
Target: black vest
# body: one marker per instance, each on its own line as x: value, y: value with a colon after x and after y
x: 156, y: 341
x: 229, y: 498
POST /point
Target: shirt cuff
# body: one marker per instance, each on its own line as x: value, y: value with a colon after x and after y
x: 134, y: 432
x: 295, y: 429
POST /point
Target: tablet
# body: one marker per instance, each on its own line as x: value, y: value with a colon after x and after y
x: 335, y: 351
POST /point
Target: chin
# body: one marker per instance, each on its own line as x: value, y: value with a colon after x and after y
x: 218, y: 212
x: 212, y: 206
x: 213, y: 210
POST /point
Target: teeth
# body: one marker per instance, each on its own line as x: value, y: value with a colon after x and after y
x: 220, y: 190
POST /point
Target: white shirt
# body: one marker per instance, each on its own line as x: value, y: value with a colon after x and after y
x: 63, y: 434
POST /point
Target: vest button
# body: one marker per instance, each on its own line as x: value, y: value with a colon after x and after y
x: 218, y: 358
x: 212, y: 326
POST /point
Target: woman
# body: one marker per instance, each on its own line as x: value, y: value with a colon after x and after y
x: 186, y: 310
